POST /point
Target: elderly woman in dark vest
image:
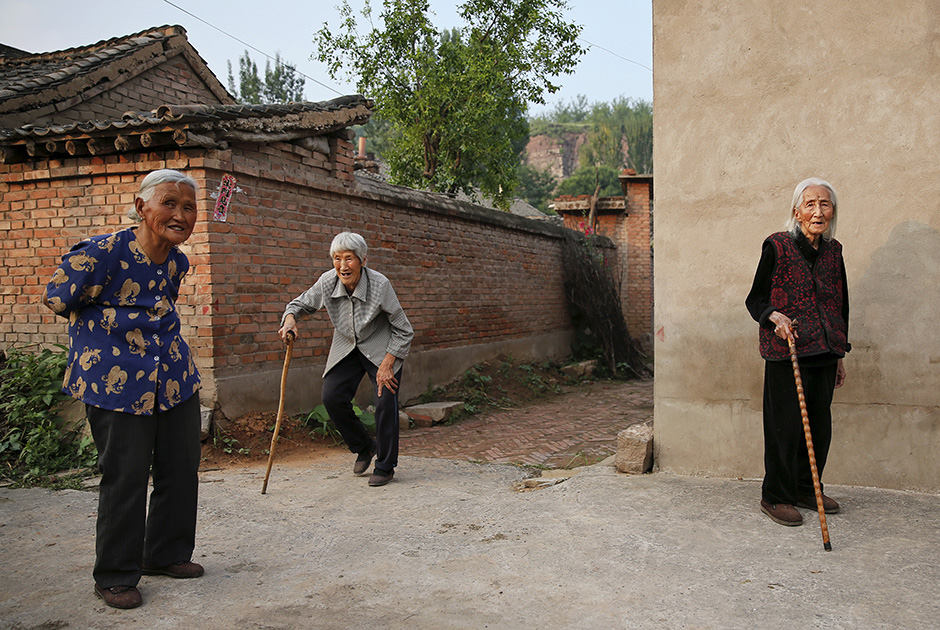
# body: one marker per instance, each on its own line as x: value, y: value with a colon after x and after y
x: 131, y: 367
x: 800, y: 290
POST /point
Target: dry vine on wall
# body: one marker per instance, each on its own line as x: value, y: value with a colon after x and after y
x: 592, y: 294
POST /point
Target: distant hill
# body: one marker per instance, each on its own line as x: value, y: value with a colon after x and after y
x: 556, y: 154
x: 555, y: 148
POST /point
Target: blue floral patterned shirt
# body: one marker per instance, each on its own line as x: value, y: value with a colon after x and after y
x: 125, y: 349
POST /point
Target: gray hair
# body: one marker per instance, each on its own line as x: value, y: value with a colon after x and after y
x: 154, y: 179
x: 792, y: 225
x: 349, y: 242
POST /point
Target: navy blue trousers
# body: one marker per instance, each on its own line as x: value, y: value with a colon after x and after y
x: 339, y: 387
x: 787, y: 472
x: 128, y: 447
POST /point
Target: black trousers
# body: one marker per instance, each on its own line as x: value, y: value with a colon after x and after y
x: 339, y: 387
x: 787, y: 472
x: 128, y: 446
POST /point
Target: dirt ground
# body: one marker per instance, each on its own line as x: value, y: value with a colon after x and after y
x: 247, y: 440
x: 501, y: 383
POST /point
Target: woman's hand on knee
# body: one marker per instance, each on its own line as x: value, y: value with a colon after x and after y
x: 385, y: 376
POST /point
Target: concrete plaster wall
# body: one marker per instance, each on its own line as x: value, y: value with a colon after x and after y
x: 750, y: 99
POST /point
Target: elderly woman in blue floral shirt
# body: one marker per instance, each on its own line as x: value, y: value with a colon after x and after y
x: 131, y: 367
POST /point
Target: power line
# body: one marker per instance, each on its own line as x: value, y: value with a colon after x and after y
x: 329, y: 87
x: 581, y: 39
x: 243, y: 42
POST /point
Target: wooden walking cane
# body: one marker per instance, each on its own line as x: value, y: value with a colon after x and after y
x: 280, y: 410
x: 809, y: 446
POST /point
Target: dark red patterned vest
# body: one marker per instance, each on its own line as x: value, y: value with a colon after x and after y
x: 810, y: 295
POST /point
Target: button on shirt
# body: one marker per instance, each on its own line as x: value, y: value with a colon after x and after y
x: 370, y: 319
x: 125, y: 349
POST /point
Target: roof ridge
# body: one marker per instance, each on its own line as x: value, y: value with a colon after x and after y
x: 167, y: 30
x: 210, y: 126
x: 34, y: 76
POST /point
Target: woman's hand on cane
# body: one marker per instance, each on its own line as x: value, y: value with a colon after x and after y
x: 784, y: 327
x: 288, y: 331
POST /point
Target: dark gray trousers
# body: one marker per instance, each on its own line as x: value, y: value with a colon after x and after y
x: 339, y: 387
x: 128, y: 446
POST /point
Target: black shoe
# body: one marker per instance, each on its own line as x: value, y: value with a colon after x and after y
x: 364, y: 460
x: 119, y: 596
x: 380, y: 477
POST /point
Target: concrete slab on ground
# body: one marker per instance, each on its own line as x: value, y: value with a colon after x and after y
x: 450, y: 544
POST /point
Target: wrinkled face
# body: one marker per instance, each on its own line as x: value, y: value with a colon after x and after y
x: 815, y: 212
x: 170, y: 213
x: 349, y: 269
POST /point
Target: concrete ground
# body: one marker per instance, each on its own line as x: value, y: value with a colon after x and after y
x: 454, y: 544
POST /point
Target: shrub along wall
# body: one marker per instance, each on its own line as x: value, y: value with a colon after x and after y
x: 474, y: 282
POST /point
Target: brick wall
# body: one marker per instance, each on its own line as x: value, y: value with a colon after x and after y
x: 172, y: 82
x: 626, y: 220
x: 466, y: 276
x: 44, y: 209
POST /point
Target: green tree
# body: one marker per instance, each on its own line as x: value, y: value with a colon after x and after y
x: 283, y: 84
x: 577, y: 110
x: 638, y: 131
x: 456, y: 99
x: 249, y: 87
x: 603, y: 144
x: 584, y: 180
x: 536, y: 187
x: 377, y: 133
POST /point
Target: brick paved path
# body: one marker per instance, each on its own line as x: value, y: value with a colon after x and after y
x: 573, y: 429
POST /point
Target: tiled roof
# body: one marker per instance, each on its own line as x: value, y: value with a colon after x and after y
x: 319, y: 117
x: 36, y: 79
x: 32, y: 85
x: 211, y: 126
x: 11, y: 52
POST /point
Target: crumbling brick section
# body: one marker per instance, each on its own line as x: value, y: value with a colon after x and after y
x: 627, y: 221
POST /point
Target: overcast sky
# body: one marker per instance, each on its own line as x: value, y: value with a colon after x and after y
x: 622, y: 27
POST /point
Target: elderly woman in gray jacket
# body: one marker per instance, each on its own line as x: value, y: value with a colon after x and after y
x: 371, y: 335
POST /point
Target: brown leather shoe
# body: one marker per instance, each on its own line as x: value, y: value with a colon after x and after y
x: 364, y: 460
x: 782, y: 513
x: 180, y: 570
x: 380, y: 478
x: 120, y: 596
x: 809, y: 502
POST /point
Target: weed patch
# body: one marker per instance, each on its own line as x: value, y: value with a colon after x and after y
x: 499, y: 384
x: 33, y: 445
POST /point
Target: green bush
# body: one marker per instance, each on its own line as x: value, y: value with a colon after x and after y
x: 32, y: 444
